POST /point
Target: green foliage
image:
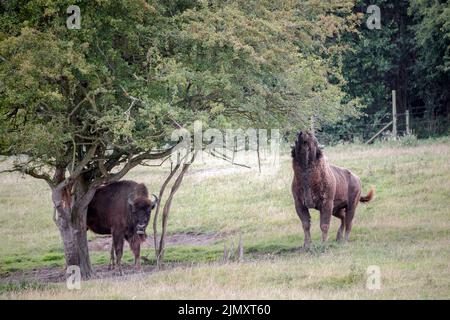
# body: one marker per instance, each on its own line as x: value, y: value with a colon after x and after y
x: 136, y: 69
x: 370, y: 69
x: 408, y: 140
x: 432, y: 42
x: 409, y: 54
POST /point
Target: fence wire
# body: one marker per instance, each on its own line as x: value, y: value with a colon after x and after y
x: 419, y: 125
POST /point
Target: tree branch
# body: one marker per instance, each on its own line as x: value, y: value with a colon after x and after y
x: 158, y: 206
x: 167, y: 205
x: 88, y: 157
x: 133, y: 162
x: 223, y: 157
x: 29, y: 171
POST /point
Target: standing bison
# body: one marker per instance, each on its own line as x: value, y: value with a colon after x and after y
x: 121, y: 209
x: 319, y: 185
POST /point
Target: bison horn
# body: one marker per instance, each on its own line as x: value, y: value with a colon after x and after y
x: 156, y: 199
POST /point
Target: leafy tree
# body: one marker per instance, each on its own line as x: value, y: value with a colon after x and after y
x: 409, y: 54
x: 431, y: 30
x: 80, y: 108
x: 375, y: 65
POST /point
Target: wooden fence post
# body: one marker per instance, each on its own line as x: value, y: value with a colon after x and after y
x: 394, y: 114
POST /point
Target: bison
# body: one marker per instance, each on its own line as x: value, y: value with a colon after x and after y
x: 121, y: 209
x: 319, y: 185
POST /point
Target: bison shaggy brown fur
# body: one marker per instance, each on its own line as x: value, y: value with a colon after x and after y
x: 319, y: 185
x: 123, y: 210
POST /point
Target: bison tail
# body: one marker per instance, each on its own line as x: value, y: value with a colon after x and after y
x: 369, y: 196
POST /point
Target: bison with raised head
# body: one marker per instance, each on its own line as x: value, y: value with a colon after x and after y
x: 121, y: 209
x: 319, y: 185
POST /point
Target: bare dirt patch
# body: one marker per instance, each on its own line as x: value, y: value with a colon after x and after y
x: 103, y: 243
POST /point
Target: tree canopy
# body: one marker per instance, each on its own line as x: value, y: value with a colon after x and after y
x: 136, y: 69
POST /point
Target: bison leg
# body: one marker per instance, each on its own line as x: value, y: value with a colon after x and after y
x: 325, y: 219
x: 341, y: 215
x: 111, y: 260
x: 351, y: 209
x: 135, y: 246
x: 349, y: 221
x: 350, y: 213
x: 305, y: 218
x: 137, y: 258
x: 118, y: 242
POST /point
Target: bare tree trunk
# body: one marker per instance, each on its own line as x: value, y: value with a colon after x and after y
x: 166, y: 210
x: 158, y: 206
x: 74, y: 238
x: 71, y: 221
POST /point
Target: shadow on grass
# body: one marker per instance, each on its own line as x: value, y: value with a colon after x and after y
x: 283, y: 249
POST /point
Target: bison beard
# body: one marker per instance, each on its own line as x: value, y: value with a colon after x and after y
x: 318, y: 185
x: 121, y: 209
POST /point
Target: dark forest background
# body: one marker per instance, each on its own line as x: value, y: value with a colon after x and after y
x: 409, y: 54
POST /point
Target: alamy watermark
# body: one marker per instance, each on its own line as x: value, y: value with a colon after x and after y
x: 249, y: 147
x: 374, y: 20
x: 73, y: 281
x: 373, y: 281
x: 74, y: 20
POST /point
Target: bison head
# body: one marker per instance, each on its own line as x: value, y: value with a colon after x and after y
x: 141, y: 208
x: 306, y: 149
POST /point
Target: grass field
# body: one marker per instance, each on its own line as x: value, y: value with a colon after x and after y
x: 405, y: 231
